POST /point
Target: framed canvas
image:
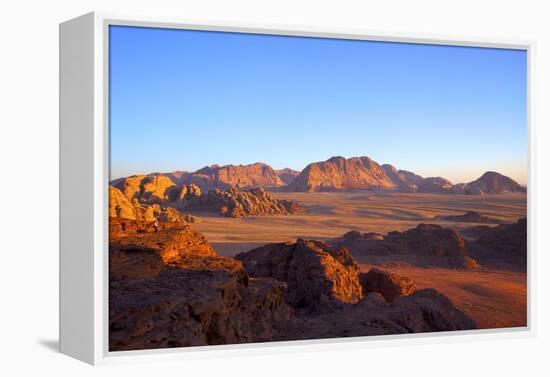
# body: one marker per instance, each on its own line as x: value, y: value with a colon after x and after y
x: 234, y: 188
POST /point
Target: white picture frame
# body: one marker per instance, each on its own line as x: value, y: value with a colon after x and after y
x: 84, y: 157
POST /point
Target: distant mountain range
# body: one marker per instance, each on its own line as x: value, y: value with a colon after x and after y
x: 334, y: 174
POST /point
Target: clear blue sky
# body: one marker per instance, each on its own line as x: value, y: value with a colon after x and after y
x: 182, y: 99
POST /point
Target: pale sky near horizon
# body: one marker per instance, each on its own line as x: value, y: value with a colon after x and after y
x: 181, y: 100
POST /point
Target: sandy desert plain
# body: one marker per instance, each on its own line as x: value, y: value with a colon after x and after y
x: 494, y: 298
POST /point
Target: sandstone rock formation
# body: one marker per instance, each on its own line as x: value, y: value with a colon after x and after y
x: 335, y: 174
x: 493, y: 183
x: 435, y: 185
x: 287, y: 175
x: 427, y: 244
x: 143, y: 192
x: 503, y: 246
x: 469, y: 217
x: 189, y: 193
x: 316, y: 274
x: 476, y: 231
x: 237, y: 203
x: 122, y: 208
x: 154, y: 188
x: 389, y: 285
x: 169, y: 289
x: 423, y: 311
x: 340, y: 174
x: 403, y: 179
x: 167, y: 239
x: 238, y: 176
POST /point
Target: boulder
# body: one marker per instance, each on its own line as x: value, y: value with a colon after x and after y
x: 389, y: 285
x: 427, y: 244
x: 238, y: 203
x: 316, y: 274
x: 503, y: 246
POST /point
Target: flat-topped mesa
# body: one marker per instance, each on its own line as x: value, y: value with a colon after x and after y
x: 237, y: 203
x: 169, y: 240
x: 340, y: 174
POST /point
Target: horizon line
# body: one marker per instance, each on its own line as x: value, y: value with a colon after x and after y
x: 300, y: 170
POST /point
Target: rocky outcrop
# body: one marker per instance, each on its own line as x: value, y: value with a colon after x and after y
x: 435, y: 185
x: 189, y: 193
x: 141, y: 197
x: 317, y: 275
x: 154, y: 188
x: 169, y: 289
x: 237, y: 203
x: 389, y: 285
x: 340, y: 174
x: 493, y: 183
x: 208, y: 302
x: 503, y: 246
x: 287, y: 175
x: 403, y: 179
x: 468, y: 217
x: 122, y: 208
x: 428, y: 244
x: 234, y: 176
x: 423, y: 311
x: 475, y: 232
x: 167, y: 239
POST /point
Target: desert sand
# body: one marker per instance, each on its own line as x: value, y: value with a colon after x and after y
x: 333, y: 214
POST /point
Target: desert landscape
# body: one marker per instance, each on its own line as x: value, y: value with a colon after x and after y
x: 272, y: 188
x: 245, y: 253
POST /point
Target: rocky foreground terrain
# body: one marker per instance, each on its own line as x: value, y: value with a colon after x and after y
x: 168, y: 288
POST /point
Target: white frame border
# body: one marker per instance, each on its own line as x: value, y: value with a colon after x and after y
x: 102, y: 21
